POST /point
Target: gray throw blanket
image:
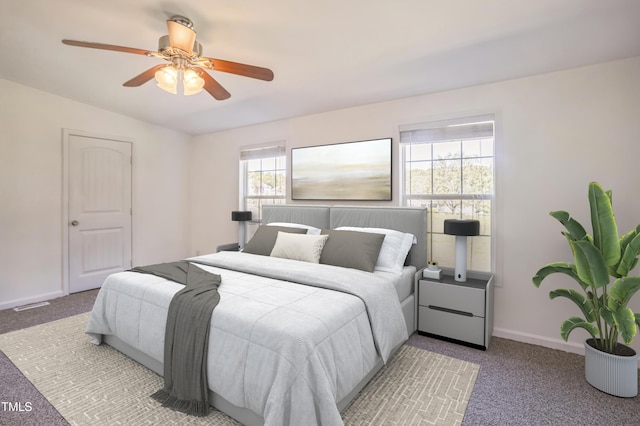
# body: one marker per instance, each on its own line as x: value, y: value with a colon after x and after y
x: 186, y: 336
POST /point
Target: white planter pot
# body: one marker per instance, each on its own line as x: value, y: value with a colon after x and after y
x: 613, y: 374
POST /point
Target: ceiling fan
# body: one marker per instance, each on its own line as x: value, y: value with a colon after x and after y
x: 187, y: 64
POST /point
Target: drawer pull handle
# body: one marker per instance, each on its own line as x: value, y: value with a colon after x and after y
x: 451, y: 311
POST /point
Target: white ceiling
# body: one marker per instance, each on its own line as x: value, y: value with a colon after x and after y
x: 325, y: 55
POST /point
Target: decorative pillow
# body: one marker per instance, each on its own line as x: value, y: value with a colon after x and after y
x: 265, y: 238
x: 310, y: 229
x: 299, y: 246
x: 394, y: 249
x: 352, y: 249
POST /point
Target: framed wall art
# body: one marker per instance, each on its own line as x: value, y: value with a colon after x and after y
x: 342, y: 171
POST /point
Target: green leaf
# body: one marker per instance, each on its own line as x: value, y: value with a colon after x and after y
x: 583, y: 303
x: 637, y: 320
x: 630, y: 253
x: 576, y: 322
x: 627, y: 238
x: 603, y: 221
x: 621, y: 292
x: 590, y: 265
x: 558, y: 267
x: 607, y: 315
x: 576, y: 230
x: 626, y: 322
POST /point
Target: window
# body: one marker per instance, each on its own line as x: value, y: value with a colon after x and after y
x: 263, y: 177
x: 448, y: 167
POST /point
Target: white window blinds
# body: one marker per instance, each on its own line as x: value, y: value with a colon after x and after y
x: 479, y: 127
x: 254, y: 153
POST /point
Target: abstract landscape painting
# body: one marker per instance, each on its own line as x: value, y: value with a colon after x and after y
x: 344, y: 171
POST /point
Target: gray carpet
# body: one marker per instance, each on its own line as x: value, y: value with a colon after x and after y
x: 518, y: 384
x: 527, y: 385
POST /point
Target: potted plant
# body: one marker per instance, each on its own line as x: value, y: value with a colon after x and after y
x: 602, y: 263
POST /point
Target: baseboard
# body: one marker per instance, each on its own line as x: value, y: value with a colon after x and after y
x: 539, y: 340
x: 28, y: 300
x: 546, y: 342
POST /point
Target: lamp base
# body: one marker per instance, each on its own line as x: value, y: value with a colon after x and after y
x: 461, y: 259
x: 242, y: 235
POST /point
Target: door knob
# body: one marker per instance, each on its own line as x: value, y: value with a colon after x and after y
x: 74, y: 223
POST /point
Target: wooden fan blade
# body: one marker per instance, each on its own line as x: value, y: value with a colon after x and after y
x: 242, y: 69
x: 213, y: 87
x: 104, y: 46
x: 142, y: 78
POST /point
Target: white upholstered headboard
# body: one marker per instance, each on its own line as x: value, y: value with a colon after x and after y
x: 406, y: 219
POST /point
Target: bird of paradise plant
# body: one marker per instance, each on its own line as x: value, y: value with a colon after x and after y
x: 602, y: 263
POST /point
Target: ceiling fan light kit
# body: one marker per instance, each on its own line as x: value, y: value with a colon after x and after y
x: 184, y: 52
x: 168, y: 76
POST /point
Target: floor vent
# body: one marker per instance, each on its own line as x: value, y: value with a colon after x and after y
x: 31, y: 306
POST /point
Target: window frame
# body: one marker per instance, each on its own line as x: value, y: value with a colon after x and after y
x: 427, y: 199
x: 275, y: 151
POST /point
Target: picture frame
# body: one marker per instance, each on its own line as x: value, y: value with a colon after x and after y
x: 354, y: 171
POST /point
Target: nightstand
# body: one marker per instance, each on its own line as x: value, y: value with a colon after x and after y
x: 457, y: 311
x: 228, y: 247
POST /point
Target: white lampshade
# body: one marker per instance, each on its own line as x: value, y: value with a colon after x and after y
x: 167, y: 79
x: 180, y: 35
x: 192, y: 82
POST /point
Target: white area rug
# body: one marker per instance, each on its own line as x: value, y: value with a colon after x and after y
x: 96, y: 385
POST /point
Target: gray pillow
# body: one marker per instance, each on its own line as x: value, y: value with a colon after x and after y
x: 352, y: 249
x: 265, y: 238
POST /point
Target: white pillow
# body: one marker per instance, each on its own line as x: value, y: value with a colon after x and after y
x: 310, y: 229
x: 394, y: 250
x: 303, y: 247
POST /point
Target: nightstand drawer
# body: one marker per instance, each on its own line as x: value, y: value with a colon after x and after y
x: 454, y: 326
x: 452, y: 297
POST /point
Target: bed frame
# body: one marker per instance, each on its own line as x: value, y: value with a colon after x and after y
x: 406, y: 219
x: 411, y: 220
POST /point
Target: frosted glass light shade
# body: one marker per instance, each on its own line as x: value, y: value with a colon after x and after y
x: 192, y: 82
x: 167, y: 79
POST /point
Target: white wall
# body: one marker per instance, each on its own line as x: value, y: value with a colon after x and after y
x: 557, y: 132
x: 31, y: 124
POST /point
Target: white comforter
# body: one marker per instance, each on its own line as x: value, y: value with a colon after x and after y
x: 285, y: 351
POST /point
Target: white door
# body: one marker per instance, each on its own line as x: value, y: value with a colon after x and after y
x: 99, y: 211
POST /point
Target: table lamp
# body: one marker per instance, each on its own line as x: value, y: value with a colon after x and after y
x: 461, y: 228
x: 241, y: 217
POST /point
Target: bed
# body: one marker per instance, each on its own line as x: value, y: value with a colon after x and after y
x: 291, y: 342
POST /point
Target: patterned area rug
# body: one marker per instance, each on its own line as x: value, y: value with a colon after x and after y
x: 95, y: 385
